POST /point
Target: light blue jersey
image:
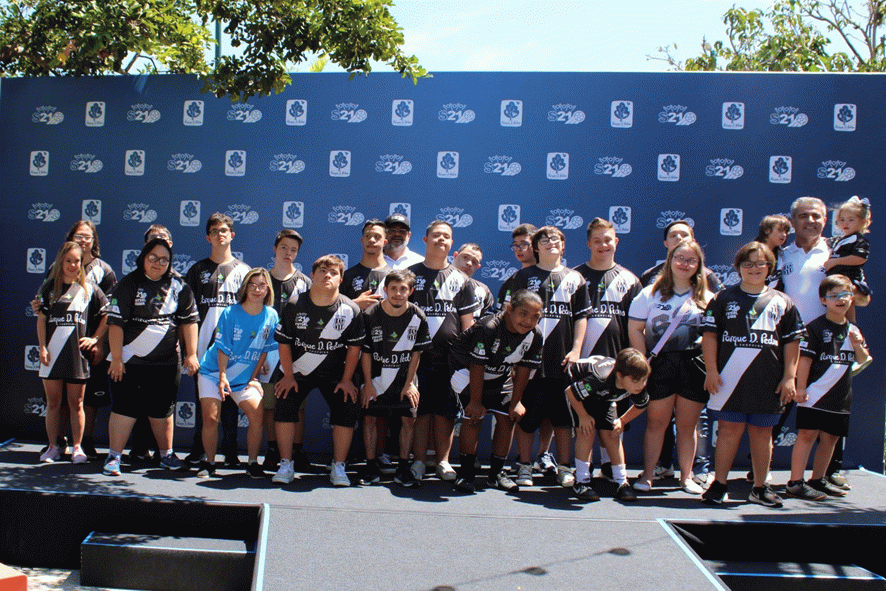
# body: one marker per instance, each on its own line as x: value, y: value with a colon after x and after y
x: 243, y: 338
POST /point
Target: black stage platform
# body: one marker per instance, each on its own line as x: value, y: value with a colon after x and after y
x: 387, y: 537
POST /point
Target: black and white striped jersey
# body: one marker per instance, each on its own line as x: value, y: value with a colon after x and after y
x: 751, y: 332
x: 67, y: 321
x: 390, y: 342
x: 150, y: 313
x: 215, y: 288
x: 593, y: 379
x: 610, y: 294
x: 827, y: 344
x: 360, y: 278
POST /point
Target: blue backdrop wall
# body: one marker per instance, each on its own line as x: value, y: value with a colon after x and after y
x: 484, y: 151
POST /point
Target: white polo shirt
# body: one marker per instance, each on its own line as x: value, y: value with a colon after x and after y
x: 801, y: 274
x: 406, y: 260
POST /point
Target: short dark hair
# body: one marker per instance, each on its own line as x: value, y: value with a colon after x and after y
x: 401, y: 276
x: 471, y: 245
x: 219, y: 218
x: 287, y: 233
x: 541, y: 233
x: 436, y: 223
x: 599, y: 224
x: 832, y: 281
x: 674, y: 223
x: 523, y: 230
x: 524, y: 296
x: 374, y: 222
x: 769, y: 223
x: 744, y: 253
x: 630, y: 363
x: 157, y: 229
x: 329, y: 260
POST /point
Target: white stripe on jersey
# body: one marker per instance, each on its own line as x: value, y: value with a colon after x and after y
x: 151, y: 336
x: 231, y: 284
x: 569, y: 285
x: 382, y: 382
x: 817, y: 389
x: 308, y: 362
x: 742, y: 357
x: 79, y: 301
x: 596, y: 328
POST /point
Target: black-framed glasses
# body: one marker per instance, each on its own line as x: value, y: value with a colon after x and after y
x: 152, y: 258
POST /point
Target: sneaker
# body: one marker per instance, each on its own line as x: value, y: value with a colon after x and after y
x: 52, y: 454
x: 88, y: 446
x: 79, y: 456
x: 285, y: 474
x: 463, y: 485
x: 606, y: 472
x: 502, y: 481
x: 337, y: 475
x: 445, y: 471
x: 584, y: 492
x: 716, y: 494
x: 839, y: 480
x: 112, y: 466
x: 418, y: 470
x: 255, y: 470
x: 763, y: 495
x: 704, y: 479
x: 386, y: 465
x: 233, y: 462
x: 691, y: 487
x: 372, y: 474
x: 565, y: 477
x: 661, y: 472
x: 800, y: 490
x: 272, y: 460
x: 207, y: 470
x: 405, y: 478
x: 170, y: 462
x: 546, y: 464
x: 194, y: 458
x: 302, y: 463
x: 642, y: 485
x: 625, y: 493
x: 822, y: 485
x: 750, y: 476
x: 524, y: 475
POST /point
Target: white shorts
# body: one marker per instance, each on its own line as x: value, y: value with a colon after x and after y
x: 208, y: 388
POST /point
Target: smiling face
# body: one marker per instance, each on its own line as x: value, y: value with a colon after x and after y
x: 837, y: 301
x: 603, y: 243
x: 156, y: 262
x: 684, y: 263
x: 71, y: 265
x: 523, y: 318
x: 84, y: 237
x: 549, y: 245
x: 754, y: 270
x: 808, y: 222
x: 256, y: 289
x: 397, y: 293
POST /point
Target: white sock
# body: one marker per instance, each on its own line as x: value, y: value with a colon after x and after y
x: 582, y: 471
x: 619, y: 473
x: 165, y: 452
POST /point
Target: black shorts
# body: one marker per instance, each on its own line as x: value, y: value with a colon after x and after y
x: 389, y: 405
x: 341, y: 413
x: 832, y: 423
x: 676, y: 373
x: 493, y: 400
x: 146, y: 390
x: 604, y: 412
x: 435, y: 397
x: 545, y: 398
x: 98, y: 391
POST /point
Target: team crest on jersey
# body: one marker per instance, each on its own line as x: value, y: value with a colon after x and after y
x: 301, y: 321
x: 663, y: 307
x: 376, y: 334
x: 732, y: 310
x: 420, y: 283
x: 533, y: 284
x: 480, y: 349
x: 495, y: 346
x: 827, y: 336
x: 524, y: 347
x: 238, y: 333
x: 339, y: 323
x: 411, y: 334
x: 141, y: 297
x: 773, y: 315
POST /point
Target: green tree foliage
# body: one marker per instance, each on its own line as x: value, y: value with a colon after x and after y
x: 795, y: 36
x: 93, y: 37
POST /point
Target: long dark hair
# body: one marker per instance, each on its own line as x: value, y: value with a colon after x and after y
x: 94, y: 251
x: 149, y: 246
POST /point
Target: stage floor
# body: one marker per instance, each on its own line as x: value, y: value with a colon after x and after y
x: 387, y: 537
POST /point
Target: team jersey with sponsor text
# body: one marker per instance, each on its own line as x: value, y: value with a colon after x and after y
x: 564, y: 297
x: 150, y: 313
x: 360, y: 278
x: 830, y: 378
x: 751, y: 332
x: 610, y: 294
x: 484, y: 298
x: 444, y: 295
x: 243, y: 338
x: 489, y: 343
x: 390, y: 342
x: 284, y: 291
x: 648, y: 307
x: 594, y: 377
x: 845, y: 246
x: 319, y: 336
x: 215, y: 288
x: 68, y: 320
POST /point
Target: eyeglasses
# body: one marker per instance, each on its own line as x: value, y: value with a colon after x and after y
x: 545, y: 240
x: 158, y: 236
x: 220, y: 232
x: 82, y: 237
x: 152, y: 258
x: 843, y: 295
x: 257, y: 286
x: 685, y: 261
x: 752, y: 264
x: 520, y: 246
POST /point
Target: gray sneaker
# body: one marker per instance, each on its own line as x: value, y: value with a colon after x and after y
x: 800, y: 490
x: 565, y: 477
x: 502, y: 481
x: 524, y: 475
x: 170, y: 462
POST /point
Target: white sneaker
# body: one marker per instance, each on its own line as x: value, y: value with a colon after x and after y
x: 337, y: 475
x: 565, y: 476
x: 445, y: 471
x: 52, y: 454
x: 690, y: 486
x: 285, y: 474
x: 524, y: 475
x: 418, y: 470
x: 662, y: 472
x: 79, y: 456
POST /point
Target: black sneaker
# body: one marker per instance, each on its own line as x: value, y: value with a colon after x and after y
x: 194, y: 458
x: 800, y: 490
x: 716, y: 494
x: 502, y: 481
x: 584, y: 492
x: 232, y: 461
x: 606, y: 472
x: 206, y: 470
x: 88, y: 447
x: 463, y: 485
x: 625, y: 493
x: 763, y: 495
x: 838, y: 480
x: 405, y: 478
x: 272, y: 460
x: 255, y: 470
x: 372, y: 474
x: 301, y: 463
x: 823, y: 486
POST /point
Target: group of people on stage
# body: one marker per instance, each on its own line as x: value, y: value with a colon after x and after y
x: 408, y: 343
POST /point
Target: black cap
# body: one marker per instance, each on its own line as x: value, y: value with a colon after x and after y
x: 397, y: 218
